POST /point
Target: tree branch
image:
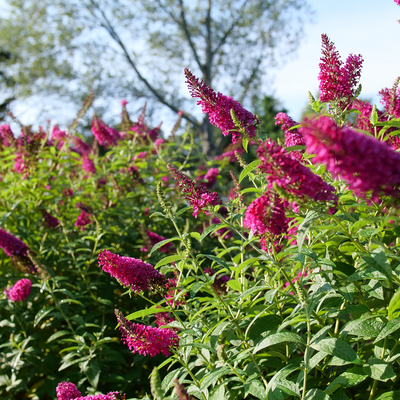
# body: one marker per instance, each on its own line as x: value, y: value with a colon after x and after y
x: 106, y: 24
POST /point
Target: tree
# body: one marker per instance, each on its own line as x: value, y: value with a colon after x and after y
x: 138, y: 48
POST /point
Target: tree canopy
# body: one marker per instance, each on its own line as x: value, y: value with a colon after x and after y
x: 137, y: 49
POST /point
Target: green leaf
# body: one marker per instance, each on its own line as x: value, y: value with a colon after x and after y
x: 295, y: 148
x: 288, y: 387
x: 146, y: 311
x: 70, y: 362
x: 63, y: 301
x: 394, y: 395
x: 350, y: 378
x: 394, y: 306
x: 245, y: 142
x: 379, y: 370
x: 216, y: 259
x: 212, y: 377
x: 337, y: 348
x: 374, y: 116
x: 211, y: 228
x: 218, y: 393
x: 304, y: 228
x: 41, y: 314
x: 57, y: 335
x: 392, y: 326
x: 162, y: 243
x: 378, y: 260
x: 248, y: 169
x: 255, y: 388
x: 364, y: 327
x: 316, y: 394
x: 169, y: 260
x: 196, y: 235
x: 92, y: 372
x: 182, y: 210
x: 235, y: 285
x: 277, y: 338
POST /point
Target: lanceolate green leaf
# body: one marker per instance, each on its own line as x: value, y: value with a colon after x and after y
x: 337, y: 348
x: 304, y: 227
x: 394, y: 306
x: 248, y: 169
x: 277, y: 338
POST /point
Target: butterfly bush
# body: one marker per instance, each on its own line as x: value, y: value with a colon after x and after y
x: 20, y: 291
x: 219, y: 106
x: 105, y: 135
x: 292, y: 136
x: 371, y: 167
x: 68, y: 391
x: 145, y: 339
x: 131, y: 272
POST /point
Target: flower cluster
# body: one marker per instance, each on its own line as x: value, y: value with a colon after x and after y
x: 6, y: 135
x: 210, y: 178
x: 219, y: 106
x: 292, y: 136
x: 163, y: 318
x: 68, y: 391
x: 105, y: 135
x: 290, y: 177
x: 391, y: 99
x: 83, y: 220
x: 49, y: 220
x: 131, y: 272
x: 11, y: 245
x: 20, y: 291
x: 198, y: 196
x: 337, y: 81
x: 146, y: 340
x: 366, y: 164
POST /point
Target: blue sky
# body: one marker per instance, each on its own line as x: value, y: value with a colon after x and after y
x: 366, y: 27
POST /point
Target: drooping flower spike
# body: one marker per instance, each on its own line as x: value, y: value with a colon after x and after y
x: 146, y: 340
x: 219, y: 106
x: 198, y: 196
x: 133, y: 273
x: 365, y: 163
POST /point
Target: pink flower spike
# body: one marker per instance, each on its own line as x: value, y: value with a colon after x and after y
x: 146, y: 340
x: 49, y: 220
x: 105, y: 135
x: 11, y: 245
x: 20, y: 291
x: 124, y: 102
x: 292, y: 136
x: 219, y: 106
x: 131, y: 272
x: 365, y: 163
x: 67, y: 391
x: 83, y: 220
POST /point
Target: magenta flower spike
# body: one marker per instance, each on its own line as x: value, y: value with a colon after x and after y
x: 68, y: 391
x: 88, y: 165
x: 365, y: 163
x: 391, y: 99
x: 219, y: 106
x: 11, y: 245
x: 105, y: 135
x: 146, y: 340
x: 83, y: 220
x: 286, y: 173
x: 131, y: 272
x: 198, y: 196
x: 338, y: 82
x: 292, y: 136
x: 49, y: 220
x: 20, y: 291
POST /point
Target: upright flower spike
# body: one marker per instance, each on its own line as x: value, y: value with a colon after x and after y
x: 219, y: 106
x: 49, y: 220
x: 88, y: 165
x: 366, y: 164
x: 7, y: 135
x: 11, y: 245
x: 292, y: 136
x: 338, y: 82
x: 105, y: 135
x: 146, y: 340
x: 20, y: 291
x: 68, y: 391
x: 81, y: 147
x: 132, y: 273
x: 198, y: 196
x: 289, y: 176
x: 391, y: 99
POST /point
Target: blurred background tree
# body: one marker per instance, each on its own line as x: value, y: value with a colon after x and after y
x: 137, y: 49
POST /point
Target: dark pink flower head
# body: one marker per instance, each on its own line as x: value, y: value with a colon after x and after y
x: 158, y: 144
x: 290, y: 176
x: 84, y: 207
x: 88, y: 165
x: 67, y: 391
x: 391, y: 99
x: 163, y: 318
x: 397, y: 2
x: 146, y: 340
x: 58, y: 135
x: 108, y: 396
x: 292, y: 136
x: 337, y: 81
x: 83, y: 220
x: 124, y: 102
x: 211, y: 177
x: 366, y: 164
x: 198, y: 196
x: 81, y: 147
x: 49, y: 220
x: 11, y: 245
x: 131, y: 272
x: 153, y: 133
x: 7, y: 135
x: 219, y: 109
x: 153, y: 239
x: 105, y: 135
x: 266, y: 216
x: 20, y: 291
